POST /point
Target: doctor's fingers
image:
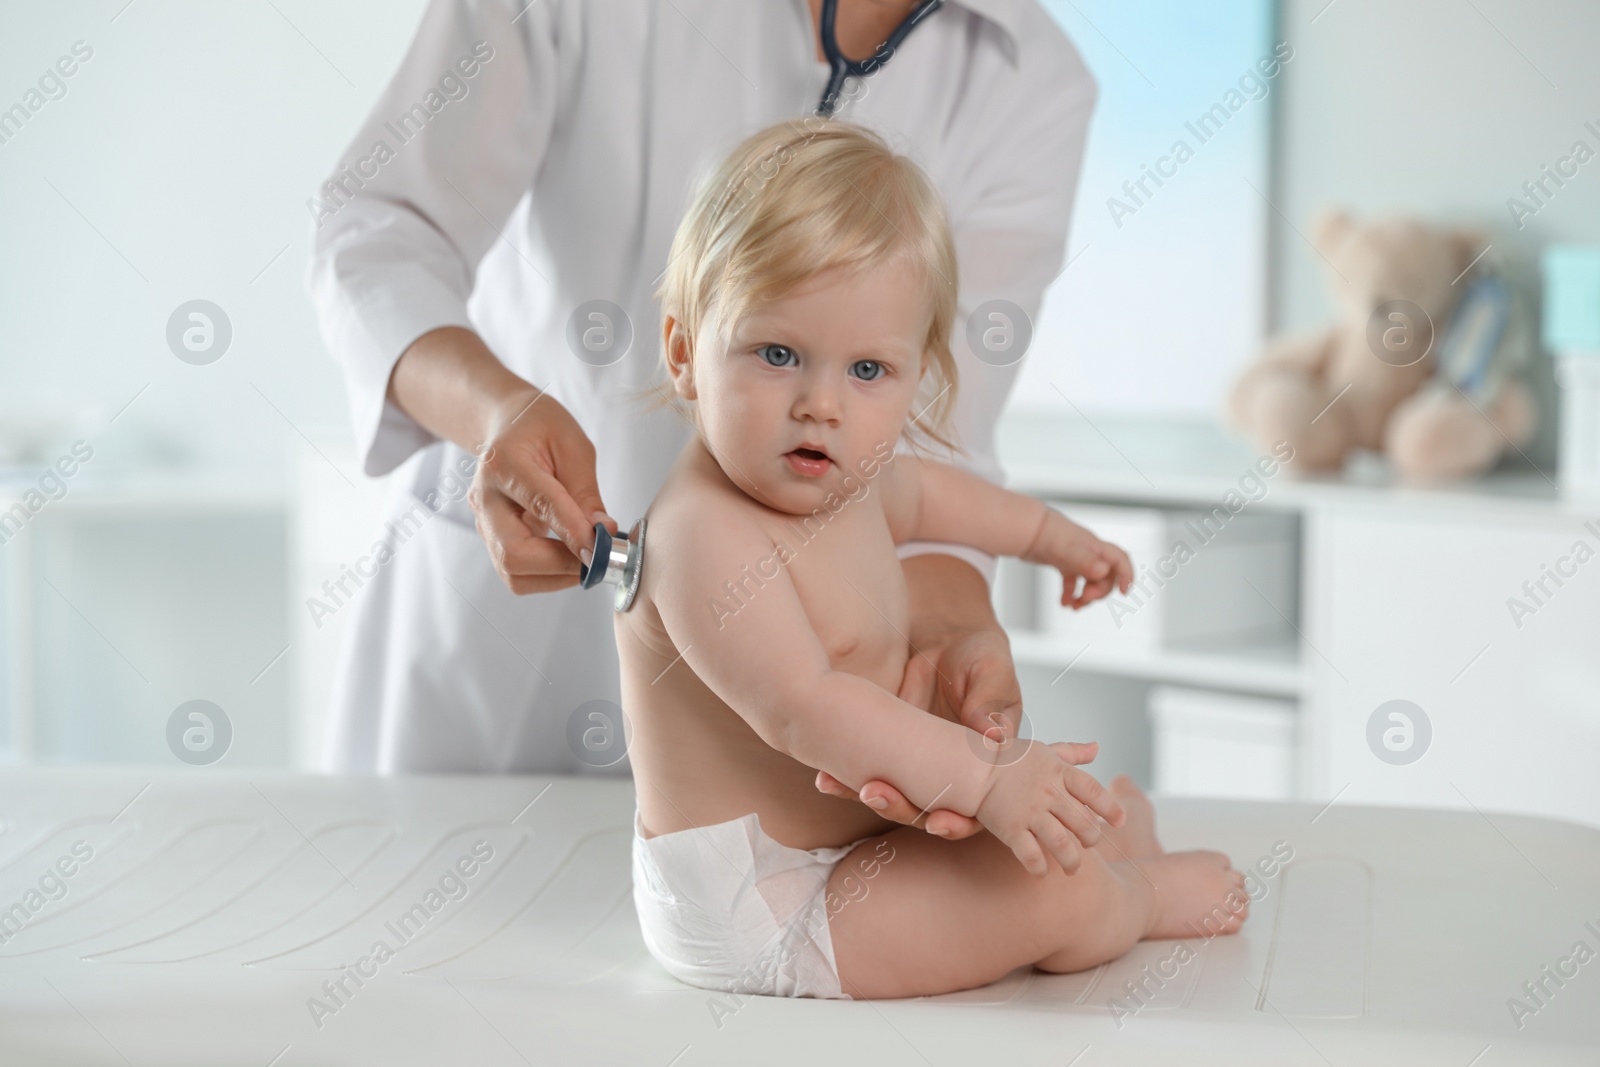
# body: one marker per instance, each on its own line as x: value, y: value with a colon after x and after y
x: 917, y: 684
x: 536, y: 484
x: 527, y: 562
x: 951, y: 825
x: 978, y: 677
x: 574, y: 466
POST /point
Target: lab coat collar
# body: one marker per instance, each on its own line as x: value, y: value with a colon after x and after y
x: 1006, y: 14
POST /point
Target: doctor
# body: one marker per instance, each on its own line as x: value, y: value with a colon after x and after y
x: 483, y: 259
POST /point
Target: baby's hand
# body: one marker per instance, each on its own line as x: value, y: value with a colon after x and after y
x: 1035, y: 804
x: 1074, y: 551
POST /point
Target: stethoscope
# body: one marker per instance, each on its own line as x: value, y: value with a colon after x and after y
x: 843, y: 68
x: 619, y: 559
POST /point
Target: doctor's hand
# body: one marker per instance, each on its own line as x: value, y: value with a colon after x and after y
x: 535, y: 465
x: 536, y: 476
x: 975, y: 684
x: 981, y: 665
x: 960, y: 669
x: 941, y: 821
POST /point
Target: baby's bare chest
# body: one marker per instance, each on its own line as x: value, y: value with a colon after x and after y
x: 851, y: 585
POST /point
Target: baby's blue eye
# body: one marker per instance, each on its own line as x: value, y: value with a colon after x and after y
x: 783, y: 356
x: 867, y: 369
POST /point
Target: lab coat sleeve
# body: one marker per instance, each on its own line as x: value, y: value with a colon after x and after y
x: 1010, y: 217
x: 420, y: 194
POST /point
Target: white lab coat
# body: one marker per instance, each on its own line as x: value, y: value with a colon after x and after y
x: 556, y: 173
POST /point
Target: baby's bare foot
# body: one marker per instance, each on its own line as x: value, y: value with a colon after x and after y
x: 1198, y: 894
x: 1135, y: 839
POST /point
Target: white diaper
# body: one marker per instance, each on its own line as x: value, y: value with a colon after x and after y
x: 726, y: 907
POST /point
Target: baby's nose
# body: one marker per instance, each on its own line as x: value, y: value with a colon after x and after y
x: 820, y: 401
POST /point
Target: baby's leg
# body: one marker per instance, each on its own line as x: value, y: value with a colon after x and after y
x: 940, y: 915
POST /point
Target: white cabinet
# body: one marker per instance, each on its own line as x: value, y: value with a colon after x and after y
x: 125, y: 600
x: 1426, y: 606
x: 1443, y: 647
x: 1212, y: 744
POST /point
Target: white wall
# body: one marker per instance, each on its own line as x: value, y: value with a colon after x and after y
x: 177, y: 166
x: 1434, y: 108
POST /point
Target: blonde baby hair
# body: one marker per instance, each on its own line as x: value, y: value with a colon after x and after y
x: 797, y: 199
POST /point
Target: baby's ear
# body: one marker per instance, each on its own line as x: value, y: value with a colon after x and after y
x: 680, y: 357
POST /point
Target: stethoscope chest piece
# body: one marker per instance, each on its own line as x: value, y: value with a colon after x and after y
x: 616, y: 561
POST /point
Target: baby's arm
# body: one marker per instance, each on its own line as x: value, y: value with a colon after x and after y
x: 761, y: 656
x: 926, y: 500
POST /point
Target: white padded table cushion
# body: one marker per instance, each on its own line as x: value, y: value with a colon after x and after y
x: 194, y: 918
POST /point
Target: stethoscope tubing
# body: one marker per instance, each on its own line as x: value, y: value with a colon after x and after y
x: 843, y: 67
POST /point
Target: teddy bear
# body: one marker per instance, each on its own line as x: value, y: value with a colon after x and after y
x: 1421, y: 363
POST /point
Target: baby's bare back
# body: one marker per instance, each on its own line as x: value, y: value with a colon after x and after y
x: 696, y: 762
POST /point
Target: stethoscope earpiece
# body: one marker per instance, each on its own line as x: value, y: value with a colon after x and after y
x: 616, y: 560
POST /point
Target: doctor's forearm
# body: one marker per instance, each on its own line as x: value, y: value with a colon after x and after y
x: 454, y: 387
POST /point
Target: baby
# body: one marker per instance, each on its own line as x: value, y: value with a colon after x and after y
x: 808, y: 305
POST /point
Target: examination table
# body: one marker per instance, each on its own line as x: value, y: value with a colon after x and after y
x: 226, y: 917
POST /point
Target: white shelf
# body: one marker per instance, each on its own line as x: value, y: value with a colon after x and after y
x: 1272, y: 668
x: 1177, y: 462
x: 205, y: 492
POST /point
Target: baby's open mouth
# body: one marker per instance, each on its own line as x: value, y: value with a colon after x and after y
x: 810, y: 462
